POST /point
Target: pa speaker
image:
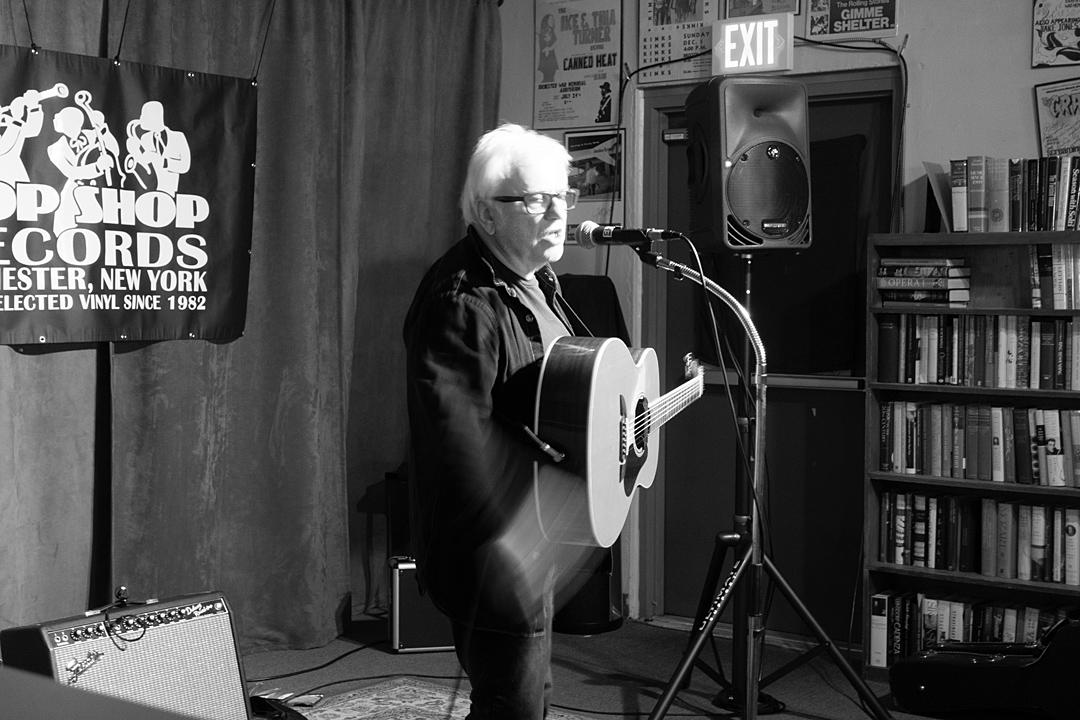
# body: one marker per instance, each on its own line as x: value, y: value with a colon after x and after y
x: 749, y: 164
x: 178, y: 655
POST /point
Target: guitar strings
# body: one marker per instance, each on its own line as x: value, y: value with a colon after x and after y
x: 669, y: 404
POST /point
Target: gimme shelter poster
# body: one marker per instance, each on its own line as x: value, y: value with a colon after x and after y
x: 577, y: 60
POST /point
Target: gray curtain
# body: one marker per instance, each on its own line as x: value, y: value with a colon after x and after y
x: 250, y: 467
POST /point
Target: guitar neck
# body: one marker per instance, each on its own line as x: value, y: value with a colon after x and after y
x: 671, y: 404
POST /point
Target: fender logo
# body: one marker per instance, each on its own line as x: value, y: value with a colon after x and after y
x: 76, y: 668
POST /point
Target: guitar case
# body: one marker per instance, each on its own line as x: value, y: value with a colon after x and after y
x: 1040, y: 677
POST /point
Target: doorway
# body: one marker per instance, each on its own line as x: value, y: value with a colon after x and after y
x: 808, y: 308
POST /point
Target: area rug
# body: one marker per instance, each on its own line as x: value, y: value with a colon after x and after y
x: 403, y: 698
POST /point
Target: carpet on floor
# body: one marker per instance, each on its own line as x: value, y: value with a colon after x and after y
x: 403, y: 698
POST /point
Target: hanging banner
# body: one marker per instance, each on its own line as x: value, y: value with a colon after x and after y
x: 126, y: 199
x: 578, y: 61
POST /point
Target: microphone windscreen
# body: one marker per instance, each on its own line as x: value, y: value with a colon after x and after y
x: 585, y: 234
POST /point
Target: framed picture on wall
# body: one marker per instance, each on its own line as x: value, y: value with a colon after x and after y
x: 743, y: 8
x: 1057, y: 105
x: 596, y: 171
x: 1055, y: 41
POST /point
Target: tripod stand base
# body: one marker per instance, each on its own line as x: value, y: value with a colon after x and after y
x: 766, y: 704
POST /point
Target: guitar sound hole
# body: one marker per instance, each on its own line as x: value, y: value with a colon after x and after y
x: 641, y: 425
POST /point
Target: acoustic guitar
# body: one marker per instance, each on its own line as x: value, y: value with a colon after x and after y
x: 600, y: 411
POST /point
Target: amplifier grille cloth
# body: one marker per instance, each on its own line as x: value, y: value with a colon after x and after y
x: 188, y: 667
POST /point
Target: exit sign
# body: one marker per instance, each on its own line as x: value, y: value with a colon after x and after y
x: 753, y: 44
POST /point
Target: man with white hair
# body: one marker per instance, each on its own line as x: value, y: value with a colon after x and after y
x: 475, y: 335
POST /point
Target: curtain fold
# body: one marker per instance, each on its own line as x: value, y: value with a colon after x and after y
x: 239, y: 466
x: 432, y: 89
x: 47, y: 410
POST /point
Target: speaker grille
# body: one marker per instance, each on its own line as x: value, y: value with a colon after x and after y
x: 768, y: 193
x: 174, y: 656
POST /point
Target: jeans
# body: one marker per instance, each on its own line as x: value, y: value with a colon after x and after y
x: 510, y: 674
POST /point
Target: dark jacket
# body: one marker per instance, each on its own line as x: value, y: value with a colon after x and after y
x: 473, y: 361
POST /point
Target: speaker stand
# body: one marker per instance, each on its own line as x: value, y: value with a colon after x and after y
x: 752, y: 563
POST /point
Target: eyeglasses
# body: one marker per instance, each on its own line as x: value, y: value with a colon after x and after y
x: 538, y: 203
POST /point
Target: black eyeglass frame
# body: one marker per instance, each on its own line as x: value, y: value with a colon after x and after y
x: 569, y: 196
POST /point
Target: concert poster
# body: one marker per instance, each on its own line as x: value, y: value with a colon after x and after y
x: 676, y: 39
x: 828, y: 20
x: 1057, y: 105
x: 1055, y: 33
x: 596, y: 170
x: 748, y: 8
x: 578, y: 56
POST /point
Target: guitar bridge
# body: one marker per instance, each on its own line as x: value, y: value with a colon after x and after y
x: 623, y: 436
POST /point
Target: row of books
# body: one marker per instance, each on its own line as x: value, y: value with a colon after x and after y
x: 995, y: 351
x: 993, y: 538
x: 942, y: 282
x: 1028, y: 446
x: 1053, y: 271
x: 905, y: 622
x: 994, y: 194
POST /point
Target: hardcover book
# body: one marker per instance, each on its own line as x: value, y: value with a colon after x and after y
x: 946, y: 298
x: 997, y: 194
x: 879, y: 629
x: 1006, y: 540
x: 911, y: 282
x: 958, y: 187
x: 977, y: 199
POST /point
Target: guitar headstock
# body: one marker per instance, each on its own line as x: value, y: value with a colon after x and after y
x: 692, y: 367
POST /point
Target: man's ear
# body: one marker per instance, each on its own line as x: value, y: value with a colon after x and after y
x: 485, y: 216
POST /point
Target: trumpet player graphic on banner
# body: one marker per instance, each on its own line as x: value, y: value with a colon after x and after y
x: 20, y: 120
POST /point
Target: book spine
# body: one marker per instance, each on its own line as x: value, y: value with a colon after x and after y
x: 1038, y: 543
x: 1073, y: 198
x: 1022, y: 446
x: 926, y: 295
x: 1072, y: 546
x: 1016, y: 194
x: 997, y: 194
x: 889, y: 348
x: 909, y: 282
x: 924, y: 271
x: 977, y: 211
x: 1023, y: 542
x: 885, y: 450
x: 958, y: 187
x: 1055, y: 458
x: 879, y: 629
x: 1006, y: 540
x: 997, y: 446
x: 988, y: 532
x: 918, y: 530
x: 1031, y: 196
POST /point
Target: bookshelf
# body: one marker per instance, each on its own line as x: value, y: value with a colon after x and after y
x: 957, y: 463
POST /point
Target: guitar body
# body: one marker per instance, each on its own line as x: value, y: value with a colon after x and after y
x: 593, y: 406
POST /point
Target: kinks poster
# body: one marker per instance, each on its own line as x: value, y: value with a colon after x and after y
x: 126, y: 197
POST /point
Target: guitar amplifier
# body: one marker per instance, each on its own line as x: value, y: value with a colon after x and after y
x: 178, y: 655
x: 416, y: 625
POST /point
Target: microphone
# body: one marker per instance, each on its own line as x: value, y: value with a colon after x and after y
x: 589, y: 235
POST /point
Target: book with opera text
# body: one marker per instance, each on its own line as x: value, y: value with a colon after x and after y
x: 922, y: 283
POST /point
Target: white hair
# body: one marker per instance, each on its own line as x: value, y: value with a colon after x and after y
x: 496, y: 155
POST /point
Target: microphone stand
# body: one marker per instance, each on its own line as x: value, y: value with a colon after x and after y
x: 753, y: 561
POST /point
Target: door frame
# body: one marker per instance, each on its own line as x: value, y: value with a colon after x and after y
x: 658, y: 105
